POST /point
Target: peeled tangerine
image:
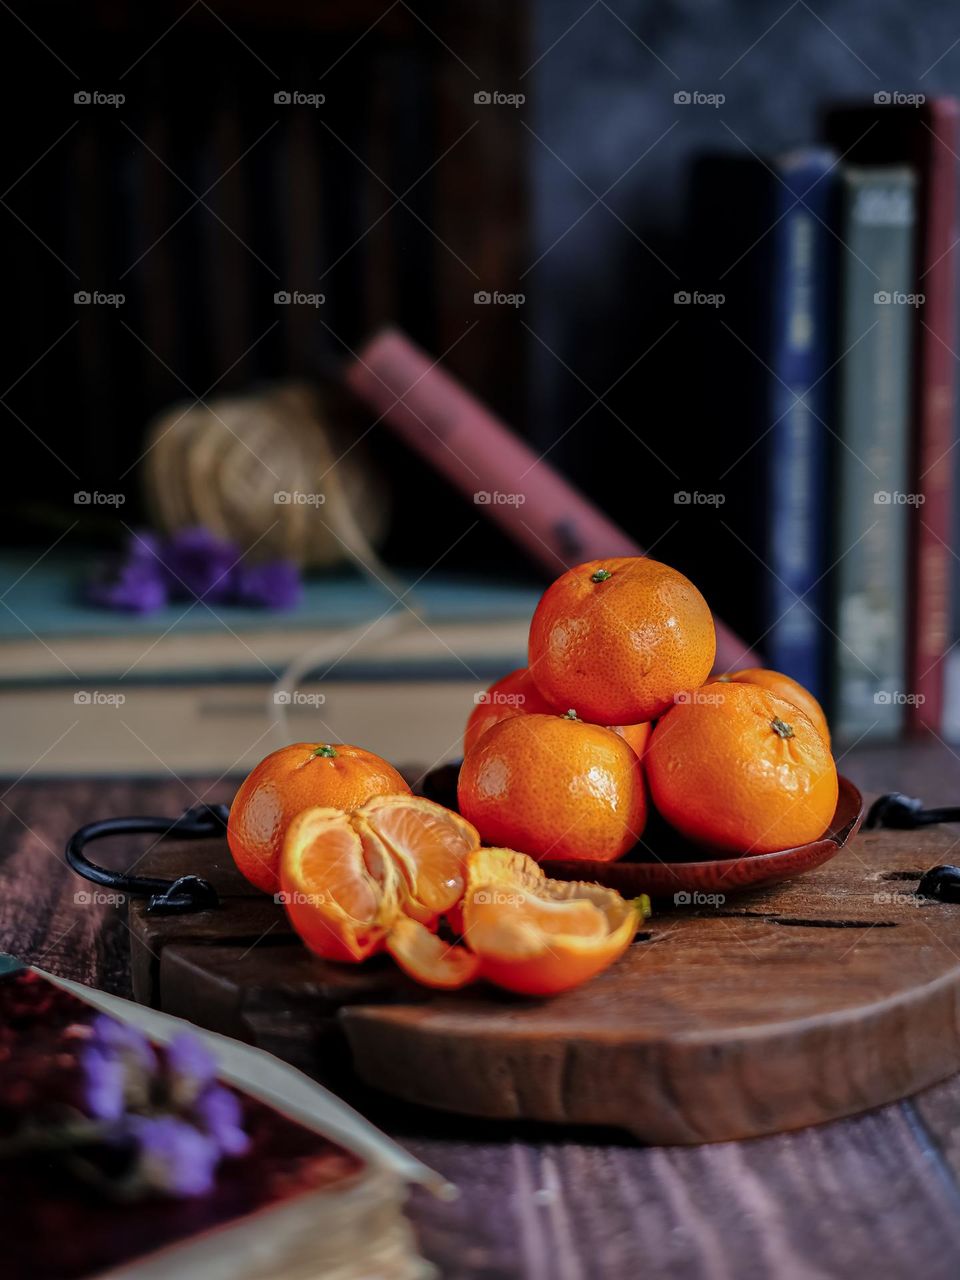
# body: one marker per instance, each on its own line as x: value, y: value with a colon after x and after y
x: 347, y: 877
x: 381, y: 877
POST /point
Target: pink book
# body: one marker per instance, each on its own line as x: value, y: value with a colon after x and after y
x: 457, y: 434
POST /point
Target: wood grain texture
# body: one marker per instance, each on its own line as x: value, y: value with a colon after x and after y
x: 794, y: 1207
x: 875, y: 1195
x: 731, y: 1016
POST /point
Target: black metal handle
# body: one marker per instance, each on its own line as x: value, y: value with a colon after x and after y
x: 166, y: 897
x: 906, y: 813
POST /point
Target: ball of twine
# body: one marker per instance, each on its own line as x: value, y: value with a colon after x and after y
x: 224, y: 465
x: 280, y: 472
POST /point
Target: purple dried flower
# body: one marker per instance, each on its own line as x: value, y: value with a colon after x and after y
x: 104, y: 1080
x: 219, y: 1113
x: 135, y: 586
x: 172, y: 1155
x: 191, y: 564
x: 275, y: 585
x: 200, y: 564
x: 128, y: 1118
x: 144, y: 546
x: 118, y: 1037
x: 118, y: 1067
x: 190, y: 1068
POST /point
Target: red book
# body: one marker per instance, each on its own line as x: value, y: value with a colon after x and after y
x: 926, y: 137
x: 457, y: 434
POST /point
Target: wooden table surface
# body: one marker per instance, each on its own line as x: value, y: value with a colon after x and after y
x: 877, y: 1195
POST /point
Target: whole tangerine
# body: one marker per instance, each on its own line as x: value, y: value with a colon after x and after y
x: 554, y: 787
x: 737, y: 769
x: 300, y: 776
x: 516, y: 694
x: 618, y: 639
x: 638, y: 735
x: 788, y: 689
x: 513, y: 695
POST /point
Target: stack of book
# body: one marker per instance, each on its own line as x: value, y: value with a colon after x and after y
x: 200, y: 689
x: 835, y: 341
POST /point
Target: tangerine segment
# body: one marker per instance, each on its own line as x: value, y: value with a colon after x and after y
x: 739, y: 770
x: 429, y: 845
x: 537, y: 936
x: 340, y: 894
x: 618, y: 639
x: 554, y: 787
x: 428, y: 959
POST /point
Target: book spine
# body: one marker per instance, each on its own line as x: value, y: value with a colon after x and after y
x: 440, y: 420
x: 870, y: 555
x: 934, y: 416
x: 800, y: 410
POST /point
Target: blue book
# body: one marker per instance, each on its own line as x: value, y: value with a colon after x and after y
x: 803, y: 297
x: 763, y: 249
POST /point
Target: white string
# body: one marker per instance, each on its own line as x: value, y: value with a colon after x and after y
x: 363, y: 637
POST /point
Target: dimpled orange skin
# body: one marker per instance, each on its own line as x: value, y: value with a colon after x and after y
x: 516, y: 695
x: 620, y: 648
x: 784, y: 687
x: 722, y: 774
x: 554, y: 788
x: 291, y: 780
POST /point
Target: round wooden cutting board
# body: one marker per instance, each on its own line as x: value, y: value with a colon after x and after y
x: 729, y: 1016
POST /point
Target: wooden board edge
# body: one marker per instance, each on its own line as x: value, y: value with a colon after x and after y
x: 664, y: 1093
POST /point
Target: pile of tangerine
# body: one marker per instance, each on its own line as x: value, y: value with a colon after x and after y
x: 562, y: 759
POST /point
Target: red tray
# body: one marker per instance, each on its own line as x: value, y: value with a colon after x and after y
x: 664, y: 865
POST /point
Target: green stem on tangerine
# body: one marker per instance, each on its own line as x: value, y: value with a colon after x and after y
x: 601, y: 575
x: 327, y: 752
x: 780, y: 726
x: 570, y: 715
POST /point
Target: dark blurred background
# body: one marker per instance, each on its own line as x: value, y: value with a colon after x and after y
x: 201, y: 197
x: 576, y: 198
x: 203, y: 193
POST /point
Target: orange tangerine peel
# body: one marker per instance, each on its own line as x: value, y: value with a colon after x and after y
x: 539, y: 936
